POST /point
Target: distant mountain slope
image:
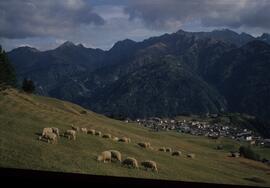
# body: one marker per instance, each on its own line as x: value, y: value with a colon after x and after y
x: 160, y: 88
x: 103, y: 80
x: 242, y: 76
x: 49, y: 68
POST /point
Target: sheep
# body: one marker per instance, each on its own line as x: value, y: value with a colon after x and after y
x: 107, y: 136
x: 91, y: 131
x: 105, y: 156
x: 128, y: 140
x: 150, y: 164
x: 162, y: 149
x: 151, y: 148
x: 84, y: 130
x: 51, y: 137
x: 47, y: 130
x: 115, y: 139
x: 191, y: 155
x: 144, y: 145
x: 56, y: 131
x: 169, y: 150
x: 116, y: 155
x: 98, y: 133
x: 130, y: 162
x: 176, y: 153
x: 70, y: 133
x: 75, y: 128
x: 124, y: 139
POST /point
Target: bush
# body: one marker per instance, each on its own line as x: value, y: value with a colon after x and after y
x: 247, y: 152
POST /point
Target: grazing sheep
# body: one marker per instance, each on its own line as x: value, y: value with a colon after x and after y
x: 116, y: 155
x: 115, y: 139
x: 169, y: 150
x: 70, y: 134
x: 51, y: 137
x: 91, y: 131
x: 123, y: 139
x: 235, y: 154
x: 47, y: 130
x: 75, y: 128
x: 84, y: 130
x: 176, y: 153
x: 107, y: 136
x: 130, y: 162
x: 98, y: 133
x: 56, y: 131
x: 191, y: 155
x: 150, y: 164
x: 105, y: 156
x: 144, y: 145
x: 162, y: 149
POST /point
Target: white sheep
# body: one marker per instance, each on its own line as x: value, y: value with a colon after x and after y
x: 123, y: 139
x: 116, y: 155
x: 84, y: 130
x: 70, y: 134
x: 107, y: 136
x: 98, y: 133
x: 75, y: 128
x: 105, y: 156
x: 150, y: 164
x: 191, y: 155
x: 56, y: 131
x: 130, y: 162
x: 51, y: 137
x: 176, y: 153
x: 91, y: 131
x: 47, y: 130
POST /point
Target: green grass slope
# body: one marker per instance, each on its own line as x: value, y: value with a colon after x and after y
x: 22, y: 118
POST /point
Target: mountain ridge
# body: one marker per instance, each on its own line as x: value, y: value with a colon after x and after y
x: 82, y: 75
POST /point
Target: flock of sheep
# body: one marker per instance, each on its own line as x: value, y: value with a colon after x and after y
x: 51, y: 135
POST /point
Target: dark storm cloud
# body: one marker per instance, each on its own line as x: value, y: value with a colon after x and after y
x: 34, y: 18
x: 226, y: 13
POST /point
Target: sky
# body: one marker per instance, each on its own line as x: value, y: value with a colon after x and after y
x: 46, y: 24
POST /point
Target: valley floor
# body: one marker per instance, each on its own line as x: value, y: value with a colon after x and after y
x: 23, y: 116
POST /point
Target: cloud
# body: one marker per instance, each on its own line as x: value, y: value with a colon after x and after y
x: 33, y: 18
x: 158, y: 14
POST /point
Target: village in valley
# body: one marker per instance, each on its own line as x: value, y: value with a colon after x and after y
x: 203, y: 128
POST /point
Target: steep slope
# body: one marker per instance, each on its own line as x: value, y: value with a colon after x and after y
x: 50, y: 68
x: 20, y: 148
x: 242, y: 76
x: 162, y: 87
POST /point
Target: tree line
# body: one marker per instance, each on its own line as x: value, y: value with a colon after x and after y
x: 8, y: 75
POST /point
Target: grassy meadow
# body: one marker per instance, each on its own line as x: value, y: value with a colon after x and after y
x: 23, y: 116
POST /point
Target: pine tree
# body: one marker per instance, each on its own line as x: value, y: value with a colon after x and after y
x: 7, y: 72
x: 28, y: 86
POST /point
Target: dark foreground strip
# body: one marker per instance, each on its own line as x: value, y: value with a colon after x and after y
x: 46, y: 178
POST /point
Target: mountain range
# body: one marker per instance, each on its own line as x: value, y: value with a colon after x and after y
x: 179, y: 73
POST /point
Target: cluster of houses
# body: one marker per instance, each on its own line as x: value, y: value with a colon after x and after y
x: 201, y: 128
